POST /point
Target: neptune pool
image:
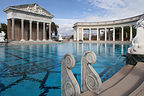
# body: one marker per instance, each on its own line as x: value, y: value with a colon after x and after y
x: 35, y: 70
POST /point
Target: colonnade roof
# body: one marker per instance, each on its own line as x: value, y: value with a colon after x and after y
x: 114, y: 22
x: 30, y: 8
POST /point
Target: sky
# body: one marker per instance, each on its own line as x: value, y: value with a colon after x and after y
x: 68, y: 12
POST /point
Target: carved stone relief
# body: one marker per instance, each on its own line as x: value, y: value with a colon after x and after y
x: 69, y: 84
x: 90, y: 80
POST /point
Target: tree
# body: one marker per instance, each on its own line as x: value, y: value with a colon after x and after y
x: 54, y: 28
x: 3, y: 27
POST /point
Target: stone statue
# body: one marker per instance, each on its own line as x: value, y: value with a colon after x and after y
x: 69, y: 84
x: 2, y: 36
x: 138, y: 42
x: 90, y: 80
x: 60, y: 37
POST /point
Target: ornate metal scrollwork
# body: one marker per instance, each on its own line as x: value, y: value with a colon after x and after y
x: 90, y: 80
x: 69, y: 84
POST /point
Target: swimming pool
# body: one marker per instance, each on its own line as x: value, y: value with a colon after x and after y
x: 34, y: 70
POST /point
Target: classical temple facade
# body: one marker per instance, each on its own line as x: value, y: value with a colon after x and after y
x: 28, y: 22
x: 102, y: 29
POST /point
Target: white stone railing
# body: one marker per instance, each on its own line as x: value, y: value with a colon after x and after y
x: 90, y: 80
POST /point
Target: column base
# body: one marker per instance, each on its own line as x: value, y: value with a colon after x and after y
x: 50, y: 40
x: 22, y: 40
x: 38, y: 40
x: 44, y: 40
x: 30, y: 40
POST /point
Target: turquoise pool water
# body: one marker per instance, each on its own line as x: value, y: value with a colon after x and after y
x: 35, y: 70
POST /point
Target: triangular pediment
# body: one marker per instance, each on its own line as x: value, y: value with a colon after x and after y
x: 34, y: 8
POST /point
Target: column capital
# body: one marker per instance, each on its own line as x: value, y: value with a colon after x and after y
x: 22, y: 19
x: 122, y: 26
x: 30, y: 21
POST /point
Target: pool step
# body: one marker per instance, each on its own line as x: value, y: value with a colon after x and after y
x: 128, y: 84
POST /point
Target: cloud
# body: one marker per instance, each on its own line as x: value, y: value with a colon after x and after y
x: 115, y: 9
x: 119, y: 8
x: 65, y: 25
x: 107, y: 4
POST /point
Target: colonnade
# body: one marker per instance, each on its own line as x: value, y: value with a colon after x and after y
x: 30, y: 30
x: 80, y: 31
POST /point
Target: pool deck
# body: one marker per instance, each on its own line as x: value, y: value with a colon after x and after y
x: 31, y: 42
x: 109, y: 42
x: 128, y: 81
x: 49, y: 42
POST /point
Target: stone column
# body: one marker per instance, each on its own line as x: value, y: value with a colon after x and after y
x: 38, y: 31
x: 122, y: 28
x: 113, y: 33
x: 30, y: 38
x: 131, y: 34
x: 82, y: 33
x: 97, y: 34
x: 13, y: 29
x: 77, y: 34
x: 22, y: 30
x: 89, y: 34
x: 44, y: 32
x: 50, y: 32
x: 105, y: 34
